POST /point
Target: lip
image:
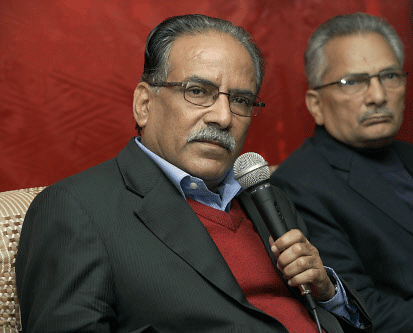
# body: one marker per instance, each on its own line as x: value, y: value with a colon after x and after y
x: 377, y: 120
x: 214, y: 143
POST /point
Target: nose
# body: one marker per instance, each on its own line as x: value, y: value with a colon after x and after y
x: 219, y: 113
x: 376, y: 94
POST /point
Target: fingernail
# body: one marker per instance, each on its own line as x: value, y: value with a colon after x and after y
x: 274, y: 248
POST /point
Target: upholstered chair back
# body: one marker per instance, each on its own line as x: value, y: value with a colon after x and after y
x: 13, y: 207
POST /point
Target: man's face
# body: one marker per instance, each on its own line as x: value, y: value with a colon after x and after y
x: 369, y: 119
x: 168, y: 120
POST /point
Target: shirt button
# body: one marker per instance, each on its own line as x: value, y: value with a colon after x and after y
x: 193, y: 186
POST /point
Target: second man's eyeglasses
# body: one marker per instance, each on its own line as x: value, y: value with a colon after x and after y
x: 359, y: 83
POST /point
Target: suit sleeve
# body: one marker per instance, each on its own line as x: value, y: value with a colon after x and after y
x: 320, y: 210
x: 63, y: 274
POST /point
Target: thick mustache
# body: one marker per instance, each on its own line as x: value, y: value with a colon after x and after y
x: 376, y: 112
x: 214, y: 134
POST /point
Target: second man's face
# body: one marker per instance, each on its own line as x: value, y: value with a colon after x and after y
x: 367, y: 119
x: 170, y: 119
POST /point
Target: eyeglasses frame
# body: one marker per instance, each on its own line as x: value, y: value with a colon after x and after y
x: 404, y: 74
x: 185, y: 84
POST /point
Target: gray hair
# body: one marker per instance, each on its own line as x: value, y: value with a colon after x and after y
x: 340, y: 26
x: 162, y: 37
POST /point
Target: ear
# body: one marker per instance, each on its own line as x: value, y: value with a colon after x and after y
x: 141, y: 99
x: 314, y: 106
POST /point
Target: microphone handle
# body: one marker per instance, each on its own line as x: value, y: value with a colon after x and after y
x: 263, y: 198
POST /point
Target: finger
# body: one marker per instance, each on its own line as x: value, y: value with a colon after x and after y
x: 301, y: 265
x: 305, y: 270
x: 319, y: 282
x: 296, y: 251
x: 274, y: 248
x: 309, y: 277
x: 291, y: 237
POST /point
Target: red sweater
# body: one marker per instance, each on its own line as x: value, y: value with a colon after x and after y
x: 241, y: 246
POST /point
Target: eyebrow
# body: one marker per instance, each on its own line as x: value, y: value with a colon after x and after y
x: 391, y: 68
x: 197, y: 79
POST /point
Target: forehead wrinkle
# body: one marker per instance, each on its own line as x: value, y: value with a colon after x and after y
x: 360, y: 59
x: 205, y: 63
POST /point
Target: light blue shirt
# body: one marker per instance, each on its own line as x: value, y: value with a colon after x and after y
x: 195, y: 188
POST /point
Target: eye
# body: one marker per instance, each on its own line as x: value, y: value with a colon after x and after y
x: 390, y: 76
x: 196, y: 91
x: 351, y: 81
x: 244, y: 100
x: 201, y: 90
x: 240, y: 100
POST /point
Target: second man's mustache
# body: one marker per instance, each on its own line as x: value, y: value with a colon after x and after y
x: 377, y: 111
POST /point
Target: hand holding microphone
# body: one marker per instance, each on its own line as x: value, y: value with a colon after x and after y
x: 298, y: 260
x: 300, y: 263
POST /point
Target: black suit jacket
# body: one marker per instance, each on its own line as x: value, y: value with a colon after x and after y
x: 117, y: 248
x: 362, y: 229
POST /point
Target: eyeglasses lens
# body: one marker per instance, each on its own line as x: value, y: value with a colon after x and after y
x: 204, y: 94
x: 359, y: 83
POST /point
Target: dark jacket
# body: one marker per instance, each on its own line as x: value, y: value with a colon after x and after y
x: 117, y: 248
x: 362, y: 229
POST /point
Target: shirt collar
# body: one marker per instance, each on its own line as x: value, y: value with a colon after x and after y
x: 194, y: 187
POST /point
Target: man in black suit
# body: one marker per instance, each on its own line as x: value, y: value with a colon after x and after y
x: 352, y: 182
x: 158, y: 239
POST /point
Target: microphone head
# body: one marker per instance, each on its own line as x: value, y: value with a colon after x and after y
x: 251, y: 169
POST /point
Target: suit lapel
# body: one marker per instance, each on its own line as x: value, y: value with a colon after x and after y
x: 366, y: 181
x: 173, y: 221
x: 167, y: 214
x: 405, y: 152
x: 381, y: 194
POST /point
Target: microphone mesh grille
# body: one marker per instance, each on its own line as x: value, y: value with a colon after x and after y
x: 251, y: 169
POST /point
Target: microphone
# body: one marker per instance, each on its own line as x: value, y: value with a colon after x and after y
x: 252, y: 173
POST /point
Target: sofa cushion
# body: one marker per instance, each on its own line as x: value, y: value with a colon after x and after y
x: 13, y: 207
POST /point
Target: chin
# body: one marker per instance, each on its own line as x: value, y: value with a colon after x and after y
x: 212, y: 175
x: 381, y: 131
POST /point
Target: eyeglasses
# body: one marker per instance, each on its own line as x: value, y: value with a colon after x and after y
x: 359, y: 83
x: 206, y: 94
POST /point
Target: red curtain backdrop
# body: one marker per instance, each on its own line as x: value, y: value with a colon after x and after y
x: 68, y: 70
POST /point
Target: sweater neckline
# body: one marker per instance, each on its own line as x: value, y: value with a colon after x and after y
x: 231, y: 220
